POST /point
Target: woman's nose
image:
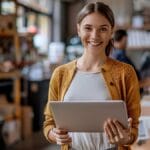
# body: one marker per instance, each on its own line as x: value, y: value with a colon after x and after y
x: 94, y: 34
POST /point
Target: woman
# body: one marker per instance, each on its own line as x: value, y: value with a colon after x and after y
x: 100, y: 77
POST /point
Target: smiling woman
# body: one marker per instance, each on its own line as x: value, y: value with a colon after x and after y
x: 95, y: 32
x: 95, y: 77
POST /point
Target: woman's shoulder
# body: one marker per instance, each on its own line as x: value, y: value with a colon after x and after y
x: 119, y: 66
x: 64, y: 68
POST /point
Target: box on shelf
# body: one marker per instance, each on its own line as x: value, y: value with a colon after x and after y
x: 11, y: 131
x: 8, y: 23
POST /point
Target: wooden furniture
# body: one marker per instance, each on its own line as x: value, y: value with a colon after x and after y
x: 8, y: 31
x: 14, y: 35
x: 145, y: 82
x: 15, y: 76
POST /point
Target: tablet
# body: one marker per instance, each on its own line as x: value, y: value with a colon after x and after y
x: 87, y: 116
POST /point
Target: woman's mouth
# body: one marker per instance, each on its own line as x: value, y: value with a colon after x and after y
x: 94, y: 43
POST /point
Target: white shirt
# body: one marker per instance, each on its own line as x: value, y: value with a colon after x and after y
x: 87, y: 86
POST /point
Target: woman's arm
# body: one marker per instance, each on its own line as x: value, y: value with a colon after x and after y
x: 53, y: 134
x: 116, y: 133
x: 133, y: 100
x: 52, y: 95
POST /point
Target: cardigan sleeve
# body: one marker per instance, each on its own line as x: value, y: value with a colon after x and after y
x: 52, y: 96
x: 133, y: 100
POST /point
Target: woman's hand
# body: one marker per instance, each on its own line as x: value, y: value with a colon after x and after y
x: 116, y: 133
x: 60, y: 136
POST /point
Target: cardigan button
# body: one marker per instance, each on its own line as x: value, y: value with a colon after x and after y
x: 111, y: 83
x: 103, y: 70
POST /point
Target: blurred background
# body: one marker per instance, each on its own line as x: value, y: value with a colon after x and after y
x: 36, y: 36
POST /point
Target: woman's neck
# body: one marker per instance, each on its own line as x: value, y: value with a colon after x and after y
x: 90, y: 63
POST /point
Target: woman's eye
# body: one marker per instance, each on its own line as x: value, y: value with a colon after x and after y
x: 87, y: 28
x: 103, y: 29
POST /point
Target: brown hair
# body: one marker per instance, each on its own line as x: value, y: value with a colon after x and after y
x: 102, y: 9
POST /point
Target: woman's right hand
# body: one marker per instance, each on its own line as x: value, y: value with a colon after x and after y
x: 60, y: 136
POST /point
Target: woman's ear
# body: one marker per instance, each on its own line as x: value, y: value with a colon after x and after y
x: 78, y: 29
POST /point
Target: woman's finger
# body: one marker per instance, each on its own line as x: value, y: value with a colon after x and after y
x: 61, y: 135
x: 113, y: 127
x: 105, y: 130
x: 130, y: 121
x: 64, y: 141
x: 109, y: 133
x: 60, y: 131
x: 120, y: 129
x: 66, y: 136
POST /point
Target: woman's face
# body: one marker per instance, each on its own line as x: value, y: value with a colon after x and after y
x: 95, y: 32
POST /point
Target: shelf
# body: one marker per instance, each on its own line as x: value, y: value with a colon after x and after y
x: 7, y: 33
x: 138, y: 48
x: 145, y: 83
x: 10, y: 111
x: 13, y: 75
x: 12, y: 33
x: 34, y: 7
x: 129, y: 27
x: 30, y: 5
x: 26, y: 34
x: 10, y: 117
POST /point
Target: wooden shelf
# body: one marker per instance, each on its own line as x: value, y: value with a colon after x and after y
x: 138, y: 48
x: 26, y: 34
x: 7, y: 33
x: 10, y: 117
x: 13, y: 74
x: 129, y: 27
x: 34, y: 7
x: 145, y: 82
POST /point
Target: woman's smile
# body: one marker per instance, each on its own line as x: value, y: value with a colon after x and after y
x: 94, y: 43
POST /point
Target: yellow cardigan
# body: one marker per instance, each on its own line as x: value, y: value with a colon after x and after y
x: 120, y: 79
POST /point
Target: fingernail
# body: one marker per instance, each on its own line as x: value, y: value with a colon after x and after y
x: 116, y: 138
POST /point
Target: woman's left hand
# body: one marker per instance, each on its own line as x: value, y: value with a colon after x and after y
x: 117, y: 133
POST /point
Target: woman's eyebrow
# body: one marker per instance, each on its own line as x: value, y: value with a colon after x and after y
x: 87, y: 25
x: 103, y: 25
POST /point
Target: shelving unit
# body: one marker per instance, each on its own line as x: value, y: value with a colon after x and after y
x: 19, y: 38
x: 15, y: 38
x: 139, y: 42
x: 8, y: 30
x: 144, y: 27
x: 137, y: 47
x: 15, y: 75
x: 145, y: 82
